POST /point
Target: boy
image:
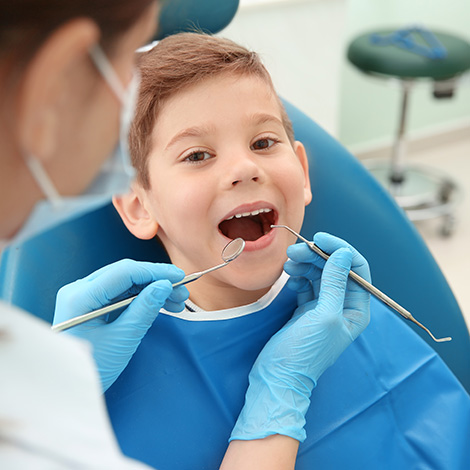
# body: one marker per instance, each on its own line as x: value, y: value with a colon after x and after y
x: 216, y: 159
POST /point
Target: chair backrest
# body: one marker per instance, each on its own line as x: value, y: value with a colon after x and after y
x: 350, y: 203
x: 31, y: 272
x: 347, y: 202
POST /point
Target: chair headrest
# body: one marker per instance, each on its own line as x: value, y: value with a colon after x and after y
x: 210, y: 16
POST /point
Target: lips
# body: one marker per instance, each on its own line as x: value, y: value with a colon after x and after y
x: 248, y: 224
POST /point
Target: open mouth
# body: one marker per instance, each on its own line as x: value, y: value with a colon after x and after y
x: 248, y: 225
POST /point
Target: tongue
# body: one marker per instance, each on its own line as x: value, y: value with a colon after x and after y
x: 245, y: 227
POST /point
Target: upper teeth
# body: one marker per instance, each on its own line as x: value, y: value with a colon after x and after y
x: 247, y: 214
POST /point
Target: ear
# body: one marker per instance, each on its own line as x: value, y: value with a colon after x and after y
x: 303, y: 158
x: 134, y: 214
x: 45, y: 85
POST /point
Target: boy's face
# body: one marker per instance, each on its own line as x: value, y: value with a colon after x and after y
x: 220, y: 151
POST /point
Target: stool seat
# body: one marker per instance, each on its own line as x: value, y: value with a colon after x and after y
x: 385, y: 58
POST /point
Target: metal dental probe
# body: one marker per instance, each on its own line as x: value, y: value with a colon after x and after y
x: 368, y: 286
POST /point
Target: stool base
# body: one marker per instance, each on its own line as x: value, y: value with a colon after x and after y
x: 423, y: 194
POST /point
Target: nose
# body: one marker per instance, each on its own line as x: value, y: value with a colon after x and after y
x: 243, y: 168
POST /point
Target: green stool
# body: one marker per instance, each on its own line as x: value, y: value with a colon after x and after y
x: 409, y: 55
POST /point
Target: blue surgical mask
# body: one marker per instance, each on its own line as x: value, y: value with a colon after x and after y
x: 114, y: 178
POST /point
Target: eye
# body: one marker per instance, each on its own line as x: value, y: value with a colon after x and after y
x: 263, y: 144
x: 197, y: 156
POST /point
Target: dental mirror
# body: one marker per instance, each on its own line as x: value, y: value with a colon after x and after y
x: 368, y: 286
x: 231, y: 251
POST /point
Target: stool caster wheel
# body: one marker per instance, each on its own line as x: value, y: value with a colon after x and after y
x: 448, y: 227
x: 446, y: 191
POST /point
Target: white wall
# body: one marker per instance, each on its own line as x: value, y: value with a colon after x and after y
x: 301, y: 43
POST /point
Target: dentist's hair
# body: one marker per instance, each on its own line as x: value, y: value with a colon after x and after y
x: 175, y: 64
x: 25, y: 24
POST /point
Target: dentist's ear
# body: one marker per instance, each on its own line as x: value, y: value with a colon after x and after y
x: 303, y: 158
x: 135, y: 216
x: 45, y: 88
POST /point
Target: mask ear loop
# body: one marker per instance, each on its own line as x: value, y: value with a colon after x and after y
x: 109, y: 74
x: 127, y: 97
x: 43, y: 181
x: 127, y: 116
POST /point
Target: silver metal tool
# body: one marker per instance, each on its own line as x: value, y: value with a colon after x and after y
x: 368, y: 286
x: 230, y: 252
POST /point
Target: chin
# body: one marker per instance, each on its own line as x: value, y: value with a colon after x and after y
x: 255, y: 280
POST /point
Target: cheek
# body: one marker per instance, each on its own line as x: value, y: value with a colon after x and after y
x: 177, y: 203
x: 292, y: 181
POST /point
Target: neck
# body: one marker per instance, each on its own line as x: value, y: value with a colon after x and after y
x: 213, y: 296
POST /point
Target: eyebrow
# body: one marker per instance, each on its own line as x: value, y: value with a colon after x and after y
x: 265, y: 118
x: 189, y: 132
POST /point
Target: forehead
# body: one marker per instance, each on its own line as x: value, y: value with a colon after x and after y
x: 217, y: 100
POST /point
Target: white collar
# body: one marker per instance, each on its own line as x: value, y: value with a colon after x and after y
x: 195, y: 313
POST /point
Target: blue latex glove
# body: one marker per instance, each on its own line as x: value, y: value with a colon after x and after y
x: 114, y: 343
x: 305, y: 268
x: 333, y: 311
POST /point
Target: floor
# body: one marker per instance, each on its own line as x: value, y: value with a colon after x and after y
x: 452, y: 253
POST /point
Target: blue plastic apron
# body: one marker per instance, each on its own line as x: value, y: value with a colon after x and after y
x: 389, y: 402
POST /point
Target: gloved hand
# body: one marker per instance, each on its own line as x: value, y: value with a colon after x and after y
x: 114, y: 343
x: 333, y: 311
x: 305, y: 268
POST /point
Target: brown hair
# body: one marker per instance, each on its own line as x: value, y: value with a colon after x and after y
x: 174, y: 64
x: 25, y: 24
